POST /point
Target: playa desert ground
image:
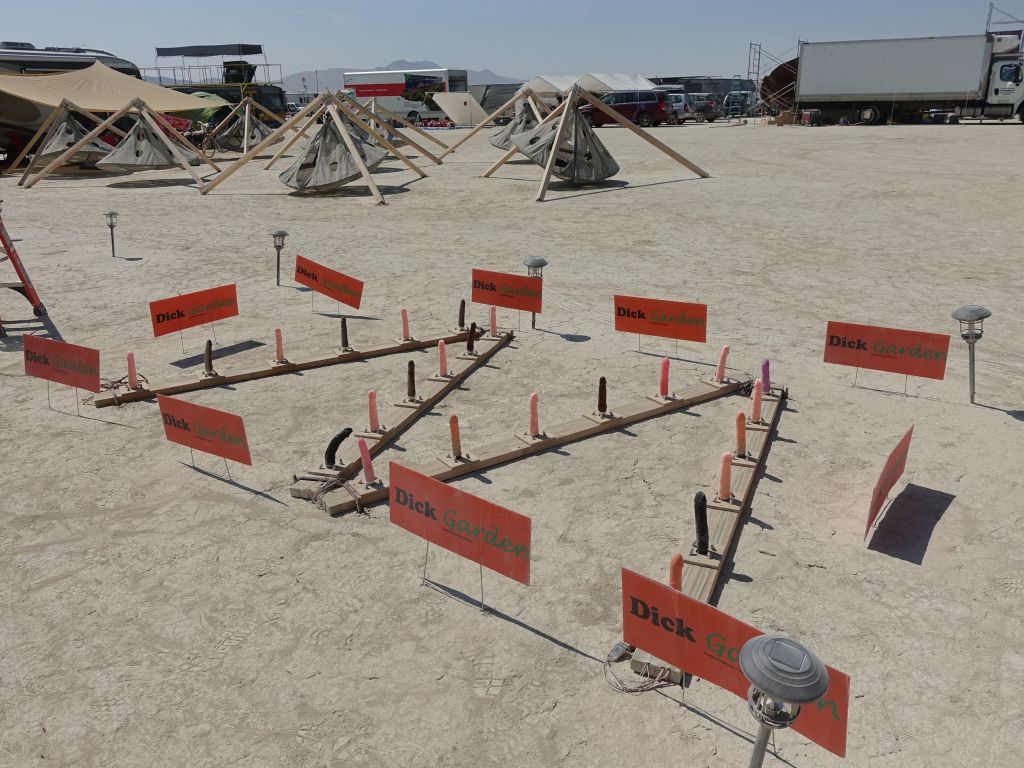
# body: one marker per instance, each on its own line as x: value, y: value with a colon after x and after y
x: 155, y: 615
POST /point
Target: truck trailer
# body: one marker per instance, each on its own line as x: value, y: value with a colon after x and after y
x: 899, y: 80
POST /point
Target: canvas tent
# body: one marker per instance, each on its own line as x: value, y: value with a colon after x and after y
x: 525, y: 120
x: 241, y: 128
x: 327, y: 163
x: 143, y: 150
x: 68, y: 132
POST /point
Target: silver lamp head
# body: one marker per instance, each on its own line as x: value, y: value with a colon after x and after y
x: 783, y: 674
x: 111, y: 217
x: 535, y: 265
x: 971, y: 318
x: 279, y: 236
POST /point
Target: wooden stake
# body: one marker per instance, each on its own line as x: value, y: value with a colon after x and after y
x: 567, y: 114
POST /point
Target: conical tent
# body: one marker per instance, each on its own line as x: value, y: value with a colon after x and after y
x: 66, y: 134
x: 524, y: 121
x: 143, y: 150
x: 327, y: 163
x: 581, y: 158
x: 233, y: 139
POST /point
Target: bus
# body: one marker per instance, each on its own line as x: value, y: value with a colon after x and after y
x: 406, y: 92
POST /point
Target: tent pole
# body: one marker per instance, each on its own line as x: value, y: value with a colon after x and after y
x: 43, y: 129
x: 384, y: 142
x: 227, y: 119
x: 144, y: 111
x: 332, y: 109
x: 59, y: 161
x: 248, y: 125
x: 394, y: 116
x: 533, y: 107
x: 160, y: 120
x: 31, y: 164
x: 227, y: 173
x: 298, y: 135
x: 598, y: 104
x: 355, y: 105
x: 508, y: 155
x: 567, y: 115
x: 483, y: 123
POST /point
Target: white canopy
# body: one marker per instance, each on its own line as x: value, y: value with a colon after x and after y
x: 550, y: 85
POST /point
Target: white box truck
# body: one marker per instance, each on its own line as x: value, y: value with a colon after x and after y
x: 876, y: 81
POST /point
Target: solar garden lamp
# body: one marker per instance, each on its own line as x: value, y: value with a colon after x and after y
x: 279, y: 236
x: 783, y: 674
x: 534, y: 268
x: 111, y: 217
x: 971, y: 318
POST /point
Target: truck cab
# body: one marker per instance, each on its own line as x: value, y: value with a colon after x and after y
x: 1005, y: 95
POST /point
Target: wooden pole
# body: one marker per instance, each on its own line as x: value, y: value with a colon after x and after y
x: 227, y: 120
x: 598, y: 104
x: 568, y: 114
x: 59, y: 161
x: 332, y: 109
x: 299, y: 133
x: 44, y: 129
x: 182, y: 160
x: 69, y: 107
x: 533, y: 106
x: 227, y: 173
x: 31, y: 164
x: 484, y: 122
x: 388, y: 113
x: 340, y: 106
x: 508, y: 155
x: 174, y: 132
x: 363, y: 110
x: 247, y: 126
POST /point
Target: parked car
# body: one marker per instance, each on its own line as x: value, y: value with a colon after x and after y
x: 708, y: 104
x: 645, y: 108
x: 685, y: 107
x: 291, y: 108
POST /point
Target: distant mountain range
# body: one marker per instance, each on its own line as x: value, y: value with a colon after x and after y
x: 331, y: 78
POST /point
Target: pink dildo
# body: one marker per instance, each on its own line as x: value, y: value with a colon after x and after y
x: 133, y: 374
x: 453, y: 424
x: 675, y: 572
x: 364, y: 454
x: 725, y: 478
x: 534, y: 417
x: 755, y: 408
x: 371, y: 401
x: 766, y: 379
x: 278, y: 345
x: 405, y: 325
x: 494, y: 321
x: 720, y: 368
x: 442, y: 360
x: 741, y: 434
x: 663, y: 380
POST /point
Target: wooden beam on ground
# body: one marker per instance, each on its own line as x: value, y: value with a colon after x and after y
x: 567, y: 117
x: 356, y: 106
x: 598, y: 104
x: 520, y: 446
x: 483, y: 123
x: 508, y: 155
x: 701, y: 574
x: 332, y: 110
x: 131, y: 396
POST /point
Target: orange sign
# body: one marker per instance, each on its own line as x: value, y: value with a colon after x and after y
x: 462, y: 523
x: 204, y: 429
x: 894, y: 467
x: 914, y: 353
x: 191, y: 309
x: 706, y: 642
x: 505, y: 290
x: 660, y: 317
x: 338, y: 286
x: 62, y: 362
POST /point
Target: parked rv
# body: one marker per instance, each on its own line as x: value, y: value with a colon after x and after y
x: 875, y: 81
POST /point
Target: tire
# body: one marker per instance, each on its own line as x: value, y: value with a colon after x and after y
x: 413, y: 117
x: 870, y: 115
x: 700, y: 117
x: 644, y: 120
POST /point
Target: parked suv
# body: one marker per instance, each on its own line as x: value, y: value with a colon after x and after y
x: 684, y: 106
x: 708, y: 104
x: 645, y: 108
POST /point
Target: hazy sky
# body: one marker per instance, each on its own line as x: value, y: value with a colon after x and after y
x: 516, y: 38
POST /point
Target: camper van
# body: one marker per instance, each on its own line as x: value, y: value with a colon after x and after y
x: 406, y: 92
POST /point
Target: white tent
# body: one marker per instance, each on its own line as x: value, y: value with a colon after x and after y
x: 551, y: 85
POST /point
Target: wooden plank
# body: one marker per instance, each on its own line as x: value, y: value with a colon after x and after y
x: 416, y: 129
x: 511, y: 449
x: 485, y: 122
x: 567, y: 115
x: 177, y: 135
x: 44, y: 130
x: 132, y: 396
x: 299, y: 133
x: 508, y: 155
x: 332, y: 111
x: 352, y: 116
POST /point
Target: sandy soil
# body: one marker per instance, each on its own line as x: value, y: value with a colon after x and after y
x: 153, y: 614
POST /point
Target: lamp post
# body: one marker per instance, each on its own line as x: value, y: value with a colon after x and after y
x: 783, y: 674
x: 111, y: 217
x: 971, y: 318
x: 279, y: 236
x: 534, y: 268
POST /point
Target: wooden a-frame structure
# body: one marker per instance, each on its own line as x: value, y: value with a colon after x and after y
x: 155, y: 120
x: 525, y: 94
x: 342, y: 111
x: 570, y: 104
x: 244, y: 111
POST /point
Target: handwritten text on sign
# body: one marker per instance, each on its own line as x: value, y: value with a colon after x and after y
x: 191, y: 309
x: 894, y: 467
x: 505, y: 290
x: 660, y: 317
x: 204, y: 429
x: 337, y: 285
x: 62, y: 362
x: 913, y: 353
x: 465, y: 524
x: 706, y: 642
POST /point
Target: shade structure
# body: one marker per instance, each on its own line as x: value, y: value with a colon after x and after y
x: 66, y: 134
x: 143, y: 150
x: 523, y: 121
x: 581, y: 157
x: 327, y: 163
x: 98, y: 88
